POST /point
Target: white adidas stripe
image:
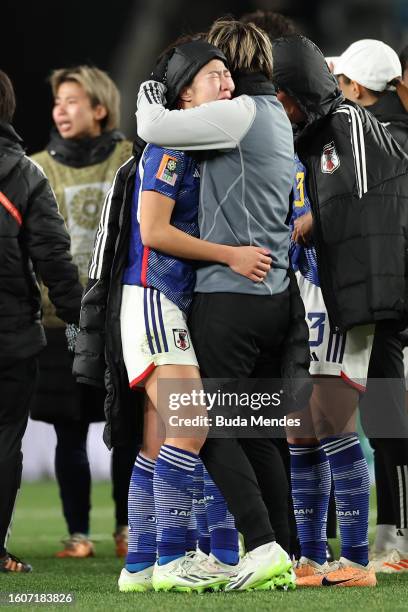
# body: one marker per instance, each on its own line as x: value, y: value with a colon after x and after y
x: 177, y: 464
x: 338, y: 450
x: 358, y: 147
x: 146, y: 459
x: 180, y: 454
x: 339, y: 442
x: 140, y: 168
x: 165, y: 455
x: 95, y: 267
x: 402, y: 473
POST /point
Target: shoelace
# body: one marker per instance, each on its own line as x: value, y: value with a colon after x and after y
x: 184, y: 567
x: 248, y: 557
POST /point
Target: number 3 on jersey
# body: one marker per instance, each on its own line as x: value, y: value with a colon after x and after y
x: 316, y: 327
x: 300, y: 189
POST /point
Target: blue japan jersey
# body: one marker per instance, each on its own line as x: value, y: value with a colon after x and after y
x: 303, y: 259
x: 175, y: 175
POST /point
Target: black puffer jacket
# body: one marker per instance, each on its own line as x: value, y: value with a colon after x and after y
x: 390, y: 112
x: 358, y: 186
x: 33, y: 241
x: 98, y: 352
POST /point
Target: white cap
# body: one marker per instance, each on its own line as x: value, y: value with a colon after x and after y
x: 371, y: 63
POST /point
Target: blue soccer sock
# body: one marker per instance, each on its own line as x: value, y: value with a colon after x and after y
x: 173, y: 492
x: 311, y: 484
x: 192, y: 531
x: 352, y: 492
x: 142, y: 519
x: 204, y: 540
x: 221, y: 524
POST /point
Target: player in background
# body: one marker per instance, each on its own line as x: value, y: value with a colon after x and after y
x: 368, y: 73
x: 81, y: 159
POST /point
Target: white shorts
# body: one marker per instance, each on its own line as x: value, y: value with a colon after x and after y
x: 332, y: 353
x: 154, y: 332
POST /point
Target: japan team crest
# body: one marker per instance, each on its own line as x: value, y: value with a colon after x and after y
x: 330, y: 160
x: 181, y: 339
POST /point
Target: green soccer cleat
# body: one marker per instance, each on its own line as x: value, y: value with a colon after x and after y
x: 192, y: 574
x: 136, y: 582
x: 265, y: 568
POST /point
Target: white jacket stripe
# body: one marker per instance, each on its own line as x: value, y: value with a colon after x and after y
x: 95, y: 267
x: 358, y: 147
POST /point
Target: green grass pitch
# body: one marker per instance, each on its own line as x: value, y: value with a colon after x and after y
x: 39, y: 526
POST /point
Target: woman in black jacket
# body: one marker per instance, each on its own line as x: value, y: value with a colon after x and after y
x: 367, y: 72
x: 34, y: 243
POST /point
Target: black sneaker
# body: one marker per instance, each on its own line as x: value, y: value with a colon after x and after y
x: 11, y: 563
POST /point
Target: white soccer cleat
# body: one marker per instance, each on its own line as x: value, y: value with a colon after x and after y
x: 187, y: 574
x: 265, y: 568
x: 198, y: 555
x: 137, y: 582
x: 394, y: 562
x: 223, y: 572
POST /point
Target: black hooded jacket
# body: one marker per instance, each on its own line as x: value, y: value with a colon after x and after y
x: 390, y: 112
x: 357, y: 182
x: 33, y: 243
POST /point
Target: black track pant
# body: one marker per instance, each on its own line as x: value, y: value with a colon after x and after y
x: 267, y: 463
x: 17, y: 386
x: 240, y: 336
x: 74, y: 476
x: 383, y: 410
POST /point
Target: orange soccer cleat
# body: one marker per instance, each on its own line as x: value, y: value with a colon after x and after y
x: 78, y: 545
x: 350, y: 574
x: 305, y: 568
x: 342, y: 573
x: 121, y: 537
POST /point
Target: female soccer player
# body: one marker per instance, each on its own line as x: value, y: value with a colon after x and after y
x: 339, y: 364
x: 157, y: 291
x: 325, y: 124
